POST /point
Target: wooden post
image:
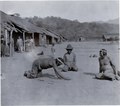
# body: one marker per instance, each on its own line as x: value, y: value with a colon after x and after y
x: 11, y: 32
x: 33, y: 36
x: 6, y: 36
x: 24, y: 40
x: 45, y: 43
x: 53, y: 40
x: 33, y: 39
x: 39, y: 39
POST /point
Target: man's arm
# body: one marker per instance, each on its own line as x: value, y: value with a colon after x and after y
x: 65, y: 59
x: 62, y: 62
x: 74, y: 59
x: 113, y: 66
x: 57, y: 72
x: 100, y: 70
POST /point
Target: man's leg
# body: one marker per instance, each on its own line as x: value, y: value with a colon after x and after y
x: 99, y: 76
x: 74, y: 68
x: 118, y: 73
x: 43, y: 49
x: 65, y: 68
x: 39, y: 73
x: 19, y: 48
x: 109, y: 75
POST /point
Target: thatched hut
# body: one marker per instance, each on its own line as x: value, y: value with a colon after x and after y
x: 51, y: 37
x: 110, y: 37
x: 14, y: 26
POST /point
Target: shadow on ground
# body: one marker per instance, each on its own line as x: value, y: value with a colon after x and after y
x: 46, y: 75
x: 89, y: 73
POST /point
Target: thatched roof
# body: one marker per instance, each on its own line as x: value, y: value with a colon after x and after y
x: 111, y: 34
x: 5, y: 22
x: 49, y: 33
x: 23, y: 24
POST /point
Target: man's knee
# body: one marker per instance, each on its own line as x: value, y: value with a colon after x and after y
x: 65, y: 68
x: 75, y: 68
x: 99, y: 75
x: 118, y: 73
x: 109, y: 75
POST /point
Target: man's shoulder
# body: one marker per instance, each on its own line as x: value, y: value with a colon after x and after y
x: 108, y: 57
x: 99, y: 58
x: 66, y: 53
x: 73, y: 53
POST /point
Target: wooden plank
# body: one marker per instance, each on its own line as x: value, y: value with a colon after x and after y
x: 33, y: 39
x: 6, y: 35
x: 39, y: 39
x: 24, y: 40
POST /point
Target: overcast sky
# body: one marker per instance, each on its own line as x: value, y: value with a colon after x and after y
x: 84, y: 11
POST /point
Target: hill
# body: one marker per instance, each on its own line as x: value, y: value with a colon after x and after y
x: 73, y: 29
x: 114, y: 21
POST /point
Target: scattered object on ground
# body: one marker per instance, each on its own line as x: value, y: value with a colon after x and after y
x: 89, y: 73
x: 42, y: 53
x: 94, y: 56
x: 2, y: 76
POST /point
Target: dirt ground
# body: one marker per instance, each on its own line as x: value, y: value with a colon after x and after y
x: 82, y: 89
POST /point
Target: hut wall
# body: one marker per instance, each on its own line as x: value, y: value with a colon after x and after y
x: 48, y: 40
x: 56, y: 40
x: 28, y: 35
x: 42, y: 39
x: 15, y: 37
x: 53, y: 40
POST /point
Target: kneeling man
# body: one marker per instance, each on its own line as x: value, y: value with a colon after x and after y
x: 69, y: 60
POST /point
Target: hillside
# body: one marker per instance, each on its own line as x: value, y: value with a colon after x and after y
x: 72, y: 30
x: 115, y: 21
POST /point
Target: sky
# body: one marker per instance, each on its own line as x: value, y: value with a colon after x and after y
x: 83, y: 11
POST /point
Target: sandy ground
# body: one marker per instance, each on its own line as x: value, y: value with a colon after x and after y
x: 48, y: 90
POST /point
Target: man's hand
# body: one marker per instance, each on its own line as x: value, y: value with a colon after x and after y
x: 117, y: 77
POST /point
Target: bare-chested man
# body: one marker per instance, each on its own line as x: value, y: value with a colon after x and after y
x: 107, y: 69
x: 45, y: 63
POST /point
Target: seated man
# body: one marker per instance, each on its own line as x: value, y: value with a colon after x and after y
x: 69, y: 60
x: 106, y: 69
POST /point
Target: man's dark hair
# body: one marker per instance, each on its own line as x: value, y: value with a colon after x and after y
x: 104, y: 51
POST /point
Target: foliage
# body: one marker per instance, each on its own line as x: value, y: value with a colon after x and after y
x: 73, y: 29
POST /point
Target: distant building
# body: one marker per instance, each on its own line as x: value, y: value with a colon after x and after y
x: 81, y: 38
x: 110, y: 37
